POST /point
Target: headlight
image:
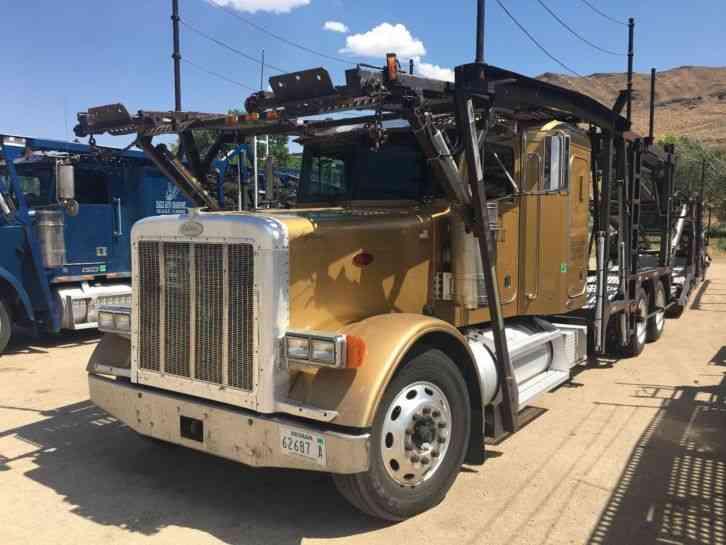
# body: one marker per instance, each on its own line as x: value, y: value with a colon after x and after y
x: 114, y: 319
x: 298, y: 348
x: 123, y: 322
x: 322, y: 351
x: 316, y: 348
x: 105, y: 320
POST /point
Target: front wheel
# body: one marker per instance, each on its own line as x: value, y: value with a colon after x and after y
x: 419, y: 440
x: 5, y: 326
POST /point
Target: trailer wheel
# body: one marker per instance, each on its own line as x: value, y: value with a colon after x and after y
x: 5, y: 326
x: 419, y: 440
x: 656, y: 323
x: 636, y: 344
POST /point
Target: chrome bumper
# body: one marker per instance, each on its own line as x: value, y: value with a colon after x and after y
x: 243, y: 436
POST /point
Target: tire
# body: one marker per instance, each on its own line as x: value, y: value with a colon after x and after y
x: 675, y: 312
x: 637, y: 340
x: 5, y: 326
x: 656, y: 323
x: 418, y: 441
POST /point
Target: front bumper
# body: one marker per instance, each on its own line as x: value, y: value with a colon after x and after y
x: 243, y: 436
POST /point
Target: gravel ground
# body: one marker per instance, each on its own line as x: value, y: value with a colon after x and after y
x: 631, y: 452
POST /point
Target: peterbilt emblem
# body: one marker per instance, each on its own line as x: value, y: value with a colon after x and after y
x: 191, y: 229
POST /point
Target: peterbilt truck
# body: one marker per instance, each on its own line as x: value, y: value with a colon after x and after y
x: 430, y: 284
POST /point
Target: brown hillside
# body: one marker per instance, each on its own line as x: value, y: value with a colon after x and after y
x: 690, y: 100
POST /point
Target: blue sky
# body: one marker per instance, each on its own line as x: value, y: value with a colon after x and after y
x: 62, y: 57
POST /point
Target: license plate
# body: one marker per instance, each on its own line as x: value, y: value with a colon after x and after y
x: 297, y: 442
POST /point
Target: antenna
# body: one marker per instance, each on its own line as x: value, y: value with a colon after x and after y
x: 651, y: 128
x: 480, y: 25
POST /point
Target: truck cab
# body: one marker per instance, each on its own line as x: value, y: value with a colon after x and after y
x: 66, y: 212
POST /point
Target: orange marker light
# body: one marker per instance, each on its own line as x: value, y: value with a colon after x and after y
x: 356, y: 352
x: 392, y: 66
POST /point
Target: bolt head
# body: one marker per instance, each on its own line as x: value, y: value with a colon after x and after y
x: 425, y: 460
x: 426, y: 410
x: 441, y: 439
x: 409, y: 431
x: 415, y: 458
x: 436, y: 414
x: 435, y: 454
x: 442, y: 425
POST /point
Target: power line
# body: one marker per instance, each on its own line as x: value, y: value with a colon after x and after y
x: 601, y: 14
x: 228, y: 47
x: 277, y: 36
x: 220, y: 76
x: 576, y: 34
x: 534, y: 40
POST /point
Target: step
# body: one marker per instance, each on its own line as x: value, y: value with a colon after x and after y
x: 541, y: 384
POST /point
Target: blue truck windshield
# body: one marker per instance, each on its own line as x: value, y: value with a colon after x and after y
x: 35, y: 184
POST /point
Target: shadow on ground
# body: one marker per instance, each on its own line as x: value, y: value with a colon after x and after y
x: 114, y: 477
x: 25, y: 343
x: 673, y: 489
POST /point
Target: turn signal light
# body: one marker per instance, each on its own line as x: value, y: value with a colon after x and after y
x: 355, y: 352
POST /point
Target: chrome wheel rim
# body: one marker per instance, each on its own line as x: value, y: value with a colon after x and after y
x: 660, y: 302
x: 416, y: 434
x: 641, y: 328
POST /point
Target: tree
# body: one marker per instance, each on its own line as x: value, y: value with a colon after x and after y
x: 691, y: 156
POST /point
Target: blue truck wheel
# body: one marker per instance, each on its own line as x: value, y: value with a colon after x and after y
x: 5, y: 326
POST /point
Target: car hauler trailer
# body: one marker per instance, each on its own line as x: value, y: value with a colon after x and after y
x: 66, y: 211
x: 431, y: 283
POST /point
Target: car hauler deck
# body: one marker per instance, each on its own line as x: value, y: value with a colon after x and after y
x: 430, y: 284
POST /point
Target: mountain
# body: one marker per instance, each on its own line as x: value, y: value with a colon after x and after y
x: 689, y: 101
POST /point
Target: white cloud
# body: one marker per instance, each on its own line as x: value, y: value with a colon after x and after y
x: 385, y: 38
x: 275, y: 6
x: 335, y: 26
x: 434, y: 71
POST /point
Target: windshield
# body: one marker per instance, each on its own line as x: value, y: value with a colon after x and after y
x: 35, y: 184
x: 335, y: 173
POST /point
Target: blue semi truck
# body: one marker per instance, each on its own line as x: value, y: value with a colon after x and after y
x: 66, y: 211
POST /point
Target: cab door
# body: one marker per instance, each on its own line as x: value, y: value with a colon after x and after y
x: 89, y: 234
x: 544, y: 221
x: 578, y: 229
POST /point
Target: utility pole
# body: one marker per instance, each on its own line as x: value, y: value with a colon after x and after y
x: 631, y: 53
x: 176, y: 55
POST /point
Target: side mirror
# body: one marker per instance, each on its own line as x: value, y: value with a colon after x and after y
x: 65, y: 187
x: 65, y: 180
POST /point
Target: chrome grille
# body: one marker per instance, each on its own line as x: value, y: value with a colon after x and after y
x: 198, y: 299
x: 210, y: 307
x: 241, y: 334
x: 149, y: 309
x: 176, y: 308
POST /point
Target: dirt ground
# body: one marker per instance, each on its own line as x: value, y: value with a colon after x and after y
x: 632, y: 452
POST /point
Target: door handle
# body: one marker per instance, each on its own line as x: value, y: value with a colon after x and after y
x: 119, y: 229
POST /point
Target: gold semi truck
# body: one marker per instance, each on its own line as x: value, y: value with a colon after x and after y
x: 456, y: 249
